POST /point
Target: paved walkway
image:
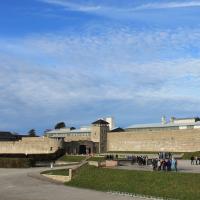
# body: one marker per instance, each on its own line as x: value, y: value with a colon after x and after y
x: 23, y: 184
x: 28, y: 184
x: 183, y: 166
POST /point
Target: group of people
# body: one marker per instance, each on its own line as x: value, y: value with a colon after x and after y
x: 140, y: 160
x: 195, y: 160
x: 112, y: 157
x: 164, y: 164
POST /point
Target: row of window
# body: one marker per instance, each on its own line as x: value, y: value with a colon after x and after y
x: 68, y: 134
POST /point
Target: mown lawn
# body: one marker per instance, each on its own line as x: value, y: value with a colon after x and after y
x: 132, y: 152
x: 159, y: 184
x: 99, y: 159
x: 188, y: 155
x: 61, y: 172
x: 68, y: 158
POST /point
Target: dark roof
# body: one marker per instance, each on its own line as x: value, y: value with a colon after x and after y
x: 6, y: 135
x: 118, y: 130
x: 100, y: 121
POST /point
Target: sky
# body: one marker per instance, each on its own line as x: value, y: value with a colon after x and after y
x: 80, y: 60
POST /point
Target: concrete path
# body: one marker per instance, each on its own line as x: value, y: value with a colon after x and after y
x: 186, y: 167
x: 27, y: 184
x: 183, y: 166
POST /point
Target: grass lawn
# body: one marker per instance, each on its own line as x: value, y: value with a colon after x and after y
x: 159, y: 184
x: 68, y: 158
x: 99, y: 159
x: 132, y: 152
x: 188, y: 155
x: 61, y: 172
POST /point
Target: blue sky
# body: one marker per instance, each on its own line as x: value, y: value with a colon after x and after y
x: 79, y: 60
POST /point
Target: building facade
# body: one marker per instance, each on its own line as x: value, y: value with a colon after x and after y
x: 175, y: 135
x: 86, y: 140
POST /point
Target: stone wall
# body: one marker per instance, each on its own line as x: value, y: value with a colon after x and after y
x: 172, y: 141
x: 31, y: 145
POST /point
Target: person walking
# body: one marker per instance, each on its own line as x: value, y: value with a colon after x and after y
x: 176, y: 164
x: 173, y: 164
x: 199, y: 160
x: 192, y: 160
x: 168, y: 165
x: 159, y: 165
x: 196, y: 159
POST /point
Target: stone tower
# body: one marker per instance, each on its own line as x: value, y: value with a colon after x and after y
x: 99, y: 131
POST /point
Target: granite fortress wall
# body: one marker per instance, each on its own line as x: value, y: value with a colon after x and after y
x: 31, y: 145
x: 169, y: 141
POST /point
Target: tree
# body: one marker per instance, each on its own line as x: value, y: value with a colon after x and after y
x: 60, y: 125
x: 32, y: 133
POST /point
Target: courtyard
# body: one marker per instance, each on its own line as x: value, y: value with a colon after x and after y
x: 27, y: 184
x: 95, y: 183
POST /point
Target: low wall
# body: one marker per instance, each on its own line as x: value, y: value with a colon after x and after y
x: 62, y: 179
x: 169, y: 141
x: 111, y: 163
x: 94, y: 163
x: 31, y: 145
x: 59, y: 178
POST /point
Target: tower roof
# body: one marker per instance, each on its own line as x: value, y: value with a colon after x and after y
x: 100, y: 121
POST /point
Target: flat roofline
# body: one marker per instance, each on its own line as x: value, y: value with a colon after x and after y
x: 159, y: 125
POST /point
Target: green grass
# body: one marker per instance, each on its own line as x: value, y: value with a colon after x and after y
x: 98, y: 159
x: 159, y: 184
x: 132, y: 152
x: 188, y: 155
x: 61, y: 172
x: 68, y: 158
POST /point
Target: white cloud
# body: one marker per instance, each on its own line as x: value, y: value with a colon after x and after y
x: 59, y: 69
x: 52, y: 73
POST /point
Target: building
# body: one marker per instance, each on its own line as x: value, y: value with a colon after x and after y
x: 173, y: 124
x: 174, y: 135
x: 91, y: 139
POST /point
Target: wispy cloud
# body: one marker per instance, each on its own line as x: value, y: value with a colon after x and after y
x: 103, y: 7
x: 67, y: 73
x: 74, y: 6
x: 119, y: 70
x: 163, y: 5
x: 140, y: 12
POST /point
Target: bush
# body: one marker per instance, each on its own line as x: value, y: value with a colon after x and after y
x: 16, y: 162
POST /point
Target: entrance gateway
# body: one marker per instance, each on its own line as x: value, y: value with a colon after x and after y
x: 82, y: 149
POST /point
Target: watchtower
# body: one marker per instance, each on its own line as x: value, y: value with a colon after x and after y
x: 99, y: 131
